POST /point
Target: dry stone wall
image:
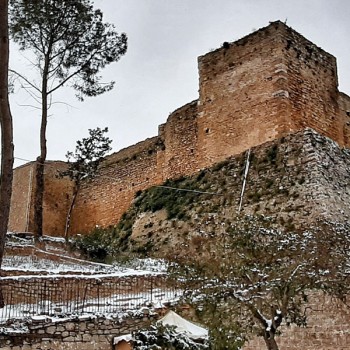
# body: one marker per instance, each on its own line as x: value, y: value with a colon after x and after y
x: 327, y: 328
x: 88, y: 333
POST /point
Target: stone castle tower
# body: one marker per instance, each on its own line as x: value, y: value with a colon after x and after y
x: 264, y: 86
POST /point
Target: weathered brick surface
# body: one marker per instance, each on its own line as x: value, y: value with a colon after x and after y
x: 103, y: 200
x: 57, y: 197
x: 21, y: 198
x: 344, y: 108
x: 259, y: 88
x: 264, y: 86
x: 180, y: 142
x: 240, y: 95
x: 171, y: 154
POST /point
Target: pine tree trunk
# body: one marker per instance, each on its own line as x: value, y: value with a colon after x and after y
x: 270, y: 341
x: 39, y: 197
x: 40, y: 161
x: 6, y: 133
x: 69, y: 214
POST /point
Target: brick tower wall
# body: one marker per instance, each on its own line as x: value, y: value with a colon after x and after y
x: 312, y: 84
x: 262, y: 87
x: 344, y: 112
x: 180, y: 140
x: 239, y: 97
x: 22, y: 189
x: 57, y: 196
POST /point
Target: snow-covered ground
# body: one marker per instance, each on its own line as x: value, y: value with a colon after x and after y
x: 34, y: 267
x: 57, y: 264
x: 65, y: 264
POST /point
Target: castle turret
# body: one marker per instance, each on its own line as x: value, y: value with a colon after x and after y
x: 263, y: 86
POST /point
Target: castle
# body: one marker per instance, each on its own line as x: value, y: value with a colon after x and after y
x: 262, y: 87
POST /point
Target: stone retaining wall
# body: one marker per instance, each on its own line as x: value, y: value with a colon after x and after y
x: 84, y: 333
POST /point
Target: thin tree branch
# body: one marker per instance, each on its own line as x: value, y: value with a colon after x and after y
x: 36, y: 98
x: 25, y: 79
x: 32, y: 106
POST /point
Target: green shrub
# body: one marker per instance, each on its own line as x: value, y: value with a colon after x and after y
x: 164, y: 337
x: 97, y: 245
x: 272, y: 154
x: 301, y: 180
x: 269, y: 183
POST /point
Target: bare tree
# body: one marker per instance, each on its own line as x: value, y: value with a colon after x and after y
x: 261, y: 277
x: 71, y: 45
x: 6, y: 133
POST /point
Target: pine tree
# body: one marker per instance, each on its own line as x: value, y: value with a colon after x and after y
x: 83, y: 163
x: 71, y: 45
x: 6, y: 132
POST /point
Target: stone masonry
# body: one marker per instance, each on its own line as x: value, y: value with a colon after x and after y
x: 327, y: 328
x: 262, y: 87
x: 88, y: 333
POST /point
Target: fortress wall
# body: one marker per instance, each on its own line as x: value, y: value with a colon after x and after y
x: 180, y: 140
x: 21, y: 197
x: 312, y: 86
x: 102, y: 200
x: 57, y: 199
x: 259, y: 88
x: 344, y: 106
x: 239, y: 96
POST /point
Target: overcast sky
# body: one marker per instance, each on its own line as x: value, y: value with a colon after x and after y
x: 159, y: 72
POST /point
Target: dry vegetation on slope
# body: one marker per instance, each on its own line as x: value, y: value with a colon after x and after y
x: 296, y: 181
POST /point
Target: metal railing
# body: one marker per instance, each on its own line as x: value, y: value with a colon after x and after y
x: 61, y: 296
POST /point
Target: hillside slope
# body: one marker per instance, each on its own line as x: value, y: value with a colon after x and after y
x: 297, y: 182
